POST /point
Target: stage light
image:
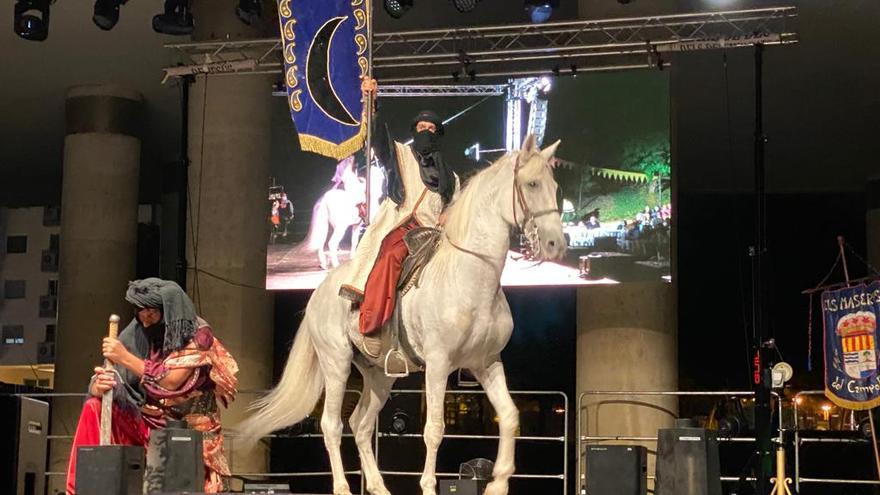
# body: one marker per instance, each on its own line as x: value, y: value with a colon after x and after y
x: 107, y: 13
x: 175, y: 20
x: 464, y: 6
x: 32, y: 19
x: 399, y: 422
x: 574, y: 70
x: 396, y: 8
x: 249, y: 11
x: 540, y: 10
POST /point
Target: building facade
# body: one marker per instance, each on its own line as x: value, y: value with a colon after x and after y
x: 29, y: 240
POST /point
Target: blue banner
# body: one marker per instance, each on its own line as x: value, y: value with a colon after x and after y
x: 324, y: 46
x: 851, y: 368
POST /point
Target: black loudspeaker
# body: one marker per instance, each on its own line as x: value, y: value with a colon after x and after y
x: 175, y: 461
x: 23, y: 445
x: 462, y: 487
x: 616, y: 470
x: 109, y: 470
x: 687, y: 462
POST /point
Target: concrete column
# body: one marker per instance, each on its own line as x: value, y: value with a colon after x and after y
x: 872, y: 226
x: 627, y: 340
x: 229, y: 145
x: 99, y: 201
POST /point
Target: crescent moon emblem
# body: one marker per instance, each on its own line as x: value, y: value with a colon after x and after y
x: 318, y: 74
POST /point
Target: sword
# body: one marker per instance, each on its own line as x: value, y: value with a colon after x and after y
x: 107, y: 398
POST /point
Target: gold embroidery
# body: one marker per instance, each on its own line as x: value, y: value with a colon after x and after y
x: 295, y: 103
x: 291, y: 77
x: 289, y: 53
x: 288, y: 30
x: 361, y: 41
x: 361, y: 19
x: 284, y: 8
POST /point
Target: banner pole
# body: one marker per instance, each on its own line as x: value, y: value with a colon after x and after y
x: 369, y: 113
x: 841, y: 244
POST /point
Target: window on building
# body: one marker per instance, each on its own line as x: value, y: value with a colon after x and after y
x: 51, y: 216
x: 14, y: 289
x: 13, y: 334
x: 53, y: 288
x: 16, y: 244
x: 41, y: 383
x: 50, y: 333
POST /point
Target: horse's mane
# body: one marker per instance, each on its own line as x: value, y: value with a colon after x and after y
x: 460, y: 210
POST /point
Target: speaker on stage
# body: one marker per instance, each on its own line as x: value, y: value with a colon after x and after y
x: 175, y: 462
x: 23, y: 445
x: 463, y: 487
x: 616, y: 470
x: 109, y: 470
x: 687, y: 462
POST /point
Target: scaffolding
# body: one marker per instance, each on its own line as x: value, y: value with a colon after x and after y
x: 481, y: 53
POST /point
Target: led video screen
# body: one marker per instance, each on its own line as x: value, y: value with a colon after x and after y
x: 613, y: 170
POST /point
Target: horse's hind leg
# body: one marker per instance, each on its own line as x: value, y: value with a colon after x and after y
x: 436, y: 375
x: 495, y: 384
x: 363, y: 423
x: 333, y: 245
x: 335, y: 377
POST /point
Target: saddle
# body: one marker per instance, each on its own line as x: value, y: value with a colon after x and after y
x: 398, y: 358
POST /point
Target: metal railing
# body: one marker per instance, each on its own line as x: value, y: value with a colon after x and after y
x: 230, y: 436
x: 586, y: 439
x: 563, y: 439
x: 799, y: 439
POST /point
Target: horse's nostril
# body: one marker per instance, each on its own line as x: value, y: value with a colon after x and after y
x: 552, y: 243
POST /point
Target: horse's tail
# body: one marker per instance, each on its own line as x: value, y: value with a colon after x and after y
x: 319, y: 227
x: 293, y: 398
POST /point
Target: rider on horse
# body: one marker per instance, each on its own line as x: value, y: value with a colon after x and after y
x: 420, y: 186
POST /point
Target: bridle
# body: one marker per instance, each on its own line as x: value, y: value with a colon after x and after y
x: 528, y: 227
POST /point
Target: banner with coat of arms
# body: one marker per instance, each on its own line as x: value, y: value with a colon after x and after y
x: 851, y: 367
x: 324, y: 46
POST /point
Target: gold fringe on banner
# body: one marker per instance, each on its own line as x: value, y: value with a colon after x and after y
x: 337, y: 151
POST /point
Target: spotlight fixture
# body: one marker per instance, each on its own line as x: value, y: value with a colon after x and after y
x: 396, y: 8
x: 107, y: 13
x: 175, y: 20
x: 574, y: 70
x: 399, y: 422
x: 465, y: 6
x: 249, y: 11
x: 540, y: 10
x: 32, y: 19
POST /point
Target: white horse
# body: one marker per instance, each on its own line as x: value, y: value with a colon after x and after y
x: 337, y: 210
x: 457, y: 317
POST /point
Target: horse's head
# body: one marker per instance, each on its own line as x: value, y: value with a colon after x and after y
x: 534, y: 200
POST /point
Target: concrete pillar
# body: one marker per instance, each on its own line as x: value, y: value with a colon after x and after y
x: 872, y: 226
x: 627, y: 340
x: 229, y: 144
x: 98, y: 248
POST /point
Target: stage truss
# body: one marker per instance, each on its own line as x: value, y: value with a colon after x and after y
x: 495, y: 53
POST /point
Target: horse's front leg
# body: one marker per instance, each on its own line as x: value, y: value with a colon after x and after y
x: 335, y: 378
x: 355, y: 237
x: 495, y: 384
x: 436, y: 375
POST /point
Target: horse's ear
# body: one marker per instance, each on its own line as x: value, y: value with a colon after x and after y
x: 548, y: 152
x: 530, y: 144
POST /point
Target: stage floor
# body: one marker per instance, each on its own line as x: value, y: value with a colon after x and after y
x: 291, y: 269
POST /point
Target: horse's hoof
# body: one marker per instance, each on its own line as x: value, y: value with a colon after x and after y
x: 496, y: 488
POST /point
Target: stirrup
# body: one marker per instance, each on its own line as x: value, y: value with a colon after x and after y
x: 402, y: 358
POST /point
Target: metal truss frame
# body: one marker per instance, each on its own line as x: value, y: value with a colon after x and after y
x: 499, y: 52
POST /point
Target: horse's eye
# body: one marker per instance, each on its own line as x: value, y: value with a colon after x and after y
x: 533, y: 184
